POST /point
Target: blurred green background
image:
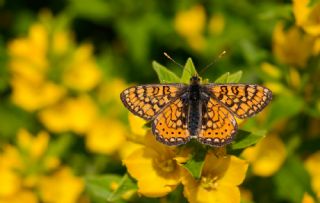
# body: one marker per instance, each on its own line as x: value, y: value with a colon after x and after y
x: 64, y: 131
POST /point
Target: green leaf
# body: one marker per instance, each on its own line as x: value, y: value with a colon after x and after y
x: 245, y: 139
x: 223, y: 78
x: 229, y: 78
x: 126, y: 184
x: 188, y: 71
x: 165, y: 75
x: 100, y: 186
x: 234, y: 77
x: 195, y: 164
x: 293, y: 176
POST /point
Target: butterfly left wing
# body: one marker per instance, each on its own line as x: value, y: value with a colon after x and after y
x: 170, y: 126
x: 241, y: 99
x: 218, y: 124
x: 146, y: 101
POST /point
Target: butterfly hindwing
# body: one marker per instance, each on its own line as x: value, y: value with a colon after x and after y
x: 170, y: 126
x: 241, y: 99
x: 146, y: 101
x: 218, y: 124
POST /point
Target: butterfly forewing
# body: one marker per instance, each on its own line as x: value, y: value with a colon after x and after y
x: 241, y: 99
x: 170, y: 126
x: 146, y: 101
x: 218, y: 124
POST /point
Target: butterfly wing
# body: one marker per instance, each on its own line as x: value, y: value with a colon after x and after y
x: 146, y: 101
x: 241, y: 99
x: 218, y: 124
x: 170, y: 126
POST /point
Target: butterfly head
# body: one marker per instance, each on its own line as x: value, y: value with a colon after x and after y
x: 195, y: 79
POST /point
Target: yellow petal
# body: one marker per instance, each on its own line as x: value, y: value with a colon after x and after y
x: 190, y: 22
x: 195, y: 193
x: 76, y: 115
x: 267, y: 156
x: 105, y: 136
x: 137, y: 125
x: 22, y: 196
x: 61, y: 187
x: 82, y: 73
x: 291, y: 46
x: 153, y: 181
x: 312, y: 165
x: 235, y: 173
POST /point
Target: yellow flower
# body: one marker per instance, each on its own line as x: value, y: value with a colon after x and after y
x: 35, y: 146
x: 61, y: 187
x: 267, y: 156
x: 35, y: 96
x: 82, y: 73
x: 307, y: 17
x: 23, y: 196
x: 291, y: 46
x: 156, y: 167
x: 19, y: 49
x: 216, y: 24
x: 271, y: 70
x: 39, y: 77
x: 22, y: 166
x: 10, y: 180
x: 190, y: 24
x: 312, y: 165
x: 307, y: 198
x: 105, y: 136
x: 219, y: 180
x: 75, y: 115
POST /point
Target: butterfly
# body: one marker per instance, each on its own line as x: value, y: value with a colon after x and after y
x: 206, y: 112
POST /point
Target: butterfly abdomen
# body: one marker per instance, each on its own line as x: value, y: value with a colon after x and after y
x: 194, y: 112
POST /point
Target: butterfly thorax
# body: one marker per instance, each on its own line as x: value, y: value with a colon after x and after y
x: 194, y: 111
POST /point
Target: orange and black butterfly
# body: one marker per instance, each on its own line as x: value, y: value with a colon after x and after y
x: 205, y: 112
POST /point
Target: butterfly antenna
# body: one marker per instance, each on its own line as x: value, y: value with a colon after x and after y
x: 213, y: 62
x: 171, y: 59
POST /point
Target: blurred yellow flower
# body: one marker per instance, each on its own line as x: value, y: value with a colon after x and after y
x: 21, y: 167
x: 82, y: 73
x: 271, y: 70
x: 42, y: 77
x: 34, y: 146
x: 191, y: 24
x: 31, y: 96
x: 23, y: 196
x: 156, y: 167
x: 267, y: 156
x: 219, y: 180
x: 312, y: 165
x: 307, y: 198
x: 291, y: 46
x: 105, y: 136
x: 61, y: 42
x: 216, y: 24
x: 307, y: 16
x: 73, y: 114
x: 36, y: 60
x: 61, y: 187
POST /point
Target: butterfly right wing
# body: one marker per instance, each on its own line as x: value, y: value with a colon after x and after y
x: 146, y: 101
